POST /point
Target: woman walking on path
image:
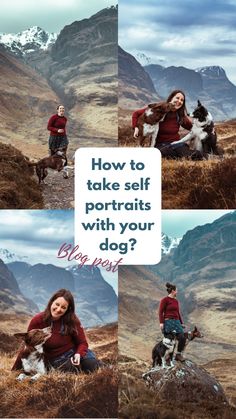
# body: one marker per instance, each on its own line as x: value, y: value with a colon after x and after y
x: 57, y: 126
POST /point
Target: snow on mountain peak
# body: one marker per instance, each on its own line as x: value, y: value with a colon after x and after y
x: 211, y: 70
x: 168, y: 243
x: 29, y: 40
x: 143, y: 59
x: 8, y: 257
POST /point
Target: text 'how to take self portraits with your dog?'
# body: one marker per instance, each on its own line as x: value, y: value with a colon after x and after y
x: 118, y: 204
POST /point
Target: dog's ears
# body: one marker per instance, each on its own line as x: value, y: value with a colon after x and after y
x: 20, y: 335
x: 152, y: 105
x: 195, y: 329
x: 199, y: 103
x: 156, y: 105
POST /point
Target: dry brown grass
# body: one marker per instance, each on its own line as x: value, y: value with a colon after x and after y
x: 18, y: 188
x: 208, y: 184
x: 60, y: 395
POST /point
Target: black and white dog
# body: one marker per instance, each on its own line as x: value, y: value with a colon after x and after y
x: 202, y: 136
x: 164, y: 350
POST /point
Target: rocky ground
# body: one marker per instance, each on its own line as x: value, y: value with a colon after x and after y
x: 58, y: 192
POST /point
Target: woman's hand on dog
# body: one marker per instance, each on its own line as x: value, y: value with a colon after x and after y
x: 75, y: 359
x: 161, y: 326
x: 136, y: 132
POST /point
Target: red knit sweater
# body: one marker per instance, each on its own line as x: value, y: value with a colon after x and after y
x: 169, y: 309
x: 57, y: 344
x: 55, y: 123
x: 168, y: 129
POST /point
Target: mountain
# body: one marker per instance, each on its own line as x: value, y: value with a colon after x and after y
x: 95, y: 299
x: 136, y: 88
x: 203, y: 267
x: 25, y: 105
x: 81, y: 67
x: 28, y: 41
x: 11, y: 298
x: 217, y: 85
x: 170, y: 78
x: 209, y: 84
x: 91, y: 288
x: 78, y: 69
x: 8, y: 257
x: 143, y: 59
x: 168, y: 243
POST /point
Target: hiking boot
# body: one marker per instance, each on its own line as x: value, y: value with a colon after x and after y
x: 179, y: 357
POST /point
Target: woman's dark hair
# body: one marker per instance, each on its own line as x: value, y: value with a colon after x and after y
x: 182, y: 112
x: 70, y: 320
x: 170, y: 287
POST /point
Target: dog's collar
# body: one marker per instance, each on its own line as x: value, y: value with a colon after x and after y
x: 208, y: 121
x: 190, y: 336
x: 167, y: 342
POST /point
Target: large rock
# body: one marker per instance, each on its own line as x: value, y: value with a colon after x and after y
x: 186, y: 382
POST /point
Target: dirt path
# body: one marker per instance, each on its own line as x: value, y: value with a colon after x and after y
x: 58, y: 193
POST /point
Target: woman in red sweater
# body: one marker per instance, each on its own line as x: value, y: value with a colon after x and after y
x: 57, y: 127
x: 169, y: 127
x: 171, y: 320
x: 67, y: 348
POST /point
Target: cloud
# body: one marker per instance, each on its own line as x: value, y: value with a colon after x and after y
x: 51, y: 15
x: 36, y: 234
x: 176, y: 223
x: 180, y: 33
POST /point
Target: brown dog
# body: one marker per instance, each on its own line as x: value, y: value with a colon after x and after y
x: 148, y: 122
x: 56, y: 162
x: 32, y: 356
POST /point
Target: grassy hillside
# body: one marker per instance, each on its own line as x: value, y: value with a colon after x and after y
x: 18, y: 187
x: 61, y: 395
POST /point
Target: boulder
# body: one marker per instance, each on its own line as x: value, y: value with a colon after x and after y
x: 185, y: 382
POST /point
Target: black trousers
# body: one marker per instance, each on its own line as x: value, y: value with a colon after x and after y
x: 181, y: 342
x: 86, y: 365
x: 178, y: 151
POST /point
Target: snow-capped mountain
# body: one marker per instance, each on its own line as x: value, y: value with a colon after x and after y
x: 214, y: 70
x: 168, y: 243
x: 143, y: 59
x: 8, y: 257
x: 27, y: 41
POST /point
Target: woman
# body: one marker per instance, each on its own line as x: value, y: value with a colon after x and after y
x: 67, y: 348
x: 57, y: 127
x: 169, y: 127
x: 171, y: 320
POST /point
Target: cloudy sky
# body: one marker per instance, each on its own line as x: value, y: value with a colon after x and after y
x: 176, y: 223
x: 51, y: 15
x: 181, y: 33
x: 38, y: 235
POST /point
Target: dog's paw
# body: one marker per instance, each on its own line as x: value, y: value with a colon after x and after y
x: 21, y: 377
